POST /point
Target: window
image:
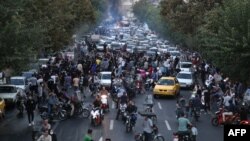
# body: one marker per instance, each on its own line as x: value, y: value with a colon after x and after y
x: 17, y: 82
x: 167, y: 82
x: 186, y: 65
x: 8, y: 89
x: 184, y: 76
x: 106, y: 76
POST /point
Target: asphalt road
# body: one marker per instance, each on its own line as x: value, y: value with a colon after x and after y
x: 13, y: 128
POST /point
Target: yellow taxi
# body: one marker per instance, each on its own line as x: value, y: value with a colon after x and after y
x: 167, y: 86
x: 2, y: 107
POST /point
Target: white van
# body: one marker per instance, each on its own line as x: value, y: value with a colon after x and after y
x: 105, y: 79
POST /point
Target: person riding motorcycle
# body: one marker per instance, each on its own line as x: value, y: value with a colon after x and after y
x: 122, y: 100
x: 183, y: 125
x: 97, y: 103
x: 230, y: 110
x: 19, y: 99
x: 195, y: 103
x: 103, y: 91
x: 180, y: 106
x: 131, y: 110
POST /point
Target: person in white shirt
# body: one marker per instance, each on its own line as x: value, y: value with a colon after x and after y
x: 226, y: 100
x: 194, y: 132
x: 147, y: 128
x: 45, y: 136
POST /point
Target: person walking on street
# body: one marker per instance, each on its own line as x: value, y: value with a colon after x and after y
x: 88, y: 136
x: 30, y: 107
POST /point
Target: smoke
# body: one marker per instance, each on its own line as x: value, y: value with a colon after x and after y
x: 114, y: 9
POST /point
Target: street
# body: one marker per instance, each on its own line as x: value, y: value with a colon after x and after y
x: 14, y: 128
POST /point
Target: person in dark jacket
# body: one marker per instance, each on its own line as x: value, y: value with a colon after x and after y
x: 30, y: 107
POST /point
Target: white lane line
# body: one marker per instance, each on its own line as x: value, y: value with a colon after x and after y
x: 100, y: 139
x: 167, y: 124
x: 159, y: 105
x: 111, y: 126
x: 113, y: 105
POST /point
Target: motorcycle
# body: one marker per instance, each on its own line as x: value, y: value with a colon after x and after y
x: 79, y: 111
x: 96, y: 116
x: 123, y: 111
x: 155, y: 135
x: 57, y: 113
x: 94, y: 88
x: 196, y: 113
x: 130, y: 121
x: 20, y: 105
x: 104, y: 105
x: 181, y: 137
x: 149, y: 84
x: 218, y: 119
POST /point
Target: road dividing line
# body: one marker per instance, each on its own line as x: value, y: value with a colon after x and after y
x: 100, y: 139
x: 159, y: 105
x: 167, y: 124
x: 113, y: 105
x: 111, y: 126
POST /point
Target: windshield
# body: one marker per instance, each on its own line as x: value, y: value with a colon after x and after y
x: 17, y: 81
x: 8, y: 89
x: 27, y: 75
x: 184, y: 76
x: 166, y: 82
x: 186, y: 65
x: 106, y: 76
x: 175, y: 54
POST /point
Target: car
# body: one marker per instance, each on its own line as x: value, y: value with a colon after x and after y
x: 185, y: 79
x: 105, y: 79
x: 8, y: 93
x: 186, y: 66
x: 167, y: 86
x: 116, y: 46
x: 28, y: 75
x: 175, y: 54
x: 19, y: 82
x: 2, y: 107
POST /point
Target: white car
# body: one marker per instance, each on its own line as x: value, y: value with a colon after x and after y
x: 19, y: 82
x: 105, y: 79
x: 9, y: 92
x: 186, y: 66
x: 185, y: 79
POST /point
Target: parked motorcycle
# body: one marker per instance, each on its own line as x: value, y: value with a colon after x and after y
x: 56, y: 113
x: 96, y: 116
x: 218, y: 119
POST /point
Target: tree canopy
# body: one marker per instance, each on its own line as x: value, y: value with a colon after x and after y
x: 29, y: 27
x: 219, y: 29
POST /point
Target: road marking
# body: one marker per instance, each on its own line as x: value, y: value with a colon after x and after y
x: 159, y: 105
x: 167, y: 124
x: 111, y: 126
x: 100, y: 139
x: 113, y: 105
